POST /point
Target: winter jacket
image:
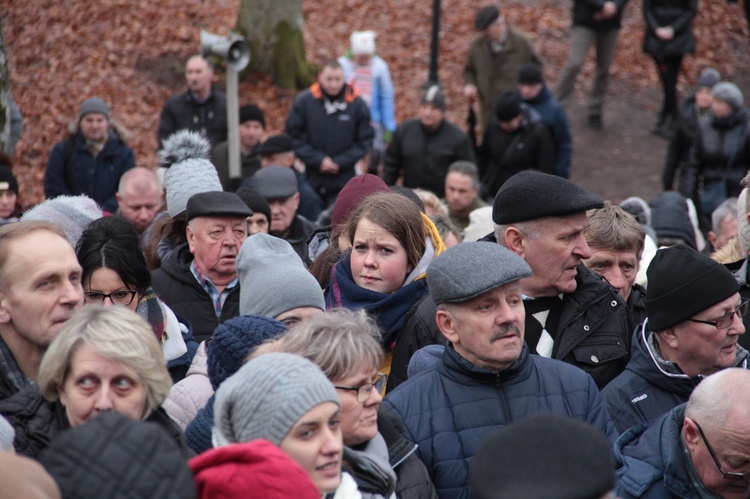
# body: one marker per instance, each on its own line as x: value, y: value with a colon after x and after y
x: 448, y: 411
x: 684, y: 135
x: 637, y: 304
x: 344, y: 135
x: 741, y: 276
x: 553, y: 115
x: 369, y: 466
x: 585, y: 10
x: 191, y: 394
x: 424, y: 157
x: 677, y: 14
x: 299, y: 231
x: 494, y: 73
x: 503, y: 154
x: 248, y: 165
x: 719, y: 140
x: 178, y: 287
x: 72, y: 170
x: 645, y: 390
x: 381, y: 98
x: 651, y: 460
x: 183, y: 111
x: 670, y: 218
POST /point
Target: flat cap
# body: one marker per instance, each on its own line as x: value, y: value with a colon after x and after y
x: 486, y: 16
x: 216, y: 204
x: 276, y: 144
x: 468, y: 270
x: 530, y: 195
x: 275, y: 182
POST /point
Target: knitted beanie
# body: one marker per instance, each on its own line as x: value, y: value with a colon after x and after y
x: 573, y: 458
x: 267, y: 396
x: 682, y: 283
x: 353, y: 193
x: 273, y: 278
x: 8, y: 181
x: 189, y: 172
x: 252, y: 469
x: 508, y: 106
x: 728, y: 92
x: 530, y: 74
x: 93, y: 105
x: 251, y: 112
x: 233, y: 341
x: 708, y: 78
x: 254, y: 201
x: 72, y: 213
x: 116, y: 457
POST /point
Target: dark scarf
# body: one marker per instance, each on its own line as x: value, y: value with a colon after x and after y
x: 389, y: 309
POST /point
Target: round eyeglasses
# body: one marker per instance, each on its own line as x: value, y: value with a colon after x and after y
x: 365, y: 389
x: 119, y: 297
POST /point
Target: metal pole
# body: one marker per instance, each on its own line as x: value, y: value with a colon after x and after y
x: 434, y: 44
x: 233, y: 124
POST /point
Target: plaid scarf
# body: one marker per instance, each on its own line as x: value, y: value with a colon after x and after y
x: 151, y: 309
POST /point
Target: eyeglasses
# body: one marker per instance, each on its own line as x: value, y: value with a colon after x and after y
x: 365, y: 389
x: 119, y: 297
x: 725, y: 320
x: 728, y: 475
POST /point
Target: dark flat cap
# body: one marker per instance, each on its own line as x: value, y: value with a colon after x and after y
x: 573, y: 458
x: 468, y: 270
x: 530, y: 195
x: 254, y: 201
x: 275, y: 182
x: 216, y: 204
x: 508, y: 106
x: 275, y: 144
x: 486, y: 16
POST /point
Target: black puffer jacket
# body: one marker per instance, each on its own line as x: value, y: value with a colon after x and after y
x: 178, y: 288
x: 182, y: 111
x: 685, y: 134
x: 677, y: 14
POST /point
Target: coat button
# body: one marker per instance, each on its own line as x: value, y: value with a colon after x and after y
x: 586, y: 328
x: 614, y: 303
x: 594, y: 359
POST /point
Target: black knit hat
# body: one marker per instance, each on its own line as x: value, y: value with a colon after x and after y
x: 572, y: 457
x: 508, y: 106
x: 254, y: 201
x: 530, y: 74
x: 486, y: 16
x: 530, y: 195
x: 682, y: 283
x: 8, y: 181
x: 251, y: 112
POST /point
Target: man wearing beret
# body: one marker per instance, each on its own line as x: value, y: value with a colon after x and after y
x: 494, y: 60
x: 694, y: 319
x: 571, y: 313
x: 251, y: 130
x: 486, y: 377
x: 198, y: 280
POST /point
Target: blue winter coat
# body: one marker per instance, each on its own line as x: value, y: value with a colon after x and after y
x: 650, y: 461
x: 72, y: 170
x: 449, y: 410
x: 553, y: 115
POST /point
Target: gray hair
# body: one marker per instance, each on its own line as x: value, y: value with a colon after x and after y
x: 466, y: 168
x: 530, y: 228
x: 341, y: 342
x: 717, y: 396
x: 116, y: 333
x: 728, y: 207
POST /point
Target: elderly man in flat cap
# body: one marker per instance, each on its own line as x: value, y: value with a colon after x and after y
x: 494, y: 60
x: 571, y: 313
x: 198, y: 280
x: 694, y: 320
x: 486, y: 377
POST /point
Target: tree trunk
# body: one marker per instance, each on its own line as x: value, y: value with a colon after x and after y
x: 5, y: 96
x: 273, y: 29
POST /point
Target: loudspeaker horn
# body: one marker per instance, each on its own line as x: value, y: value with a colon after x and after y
x: 233, y: 48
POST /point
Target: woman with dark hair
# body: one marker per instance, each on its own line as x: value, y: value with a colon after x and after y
x: 115, y: 273
x: 392, y: 243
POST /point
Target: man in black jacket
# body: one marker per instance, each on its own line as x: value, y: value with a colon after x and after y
x: 571, y: 313
x: 198, y: 280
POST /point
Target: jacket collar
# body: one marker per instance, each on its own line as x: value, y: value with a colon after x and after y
x: 463, y: 371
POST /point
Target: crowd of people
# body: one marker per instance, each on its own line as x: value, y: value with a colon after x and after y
x: 374, y: 309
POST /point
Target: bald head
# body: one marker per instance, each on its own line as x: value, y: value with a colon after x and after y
x: 720, y: 396
x: 139, y: 197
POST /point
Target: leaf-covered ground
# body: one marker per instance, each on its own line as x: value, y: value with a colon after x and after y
x: 132, y: 52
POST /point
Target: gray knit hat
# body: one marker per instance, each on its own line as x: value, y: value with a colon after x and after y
x: 468, y: 270
x: 273, y: 278
x: 72, y: 213
x: 93, y: 105
x: 266, y: 397
x: 729, y: 93
x: 709, y: 78
x: 189, y: 172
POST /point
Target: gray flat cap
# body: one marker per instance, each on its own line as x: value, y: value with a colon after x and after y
x: 468, y: 270
x: 530, y: 195
x: 216, y: 204
x: 275, y: 182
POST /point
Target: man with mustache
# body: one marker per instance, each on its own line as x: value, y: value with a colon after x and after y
x: 485, y: 378
x: 198, y: 280
x: 694, y: 319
